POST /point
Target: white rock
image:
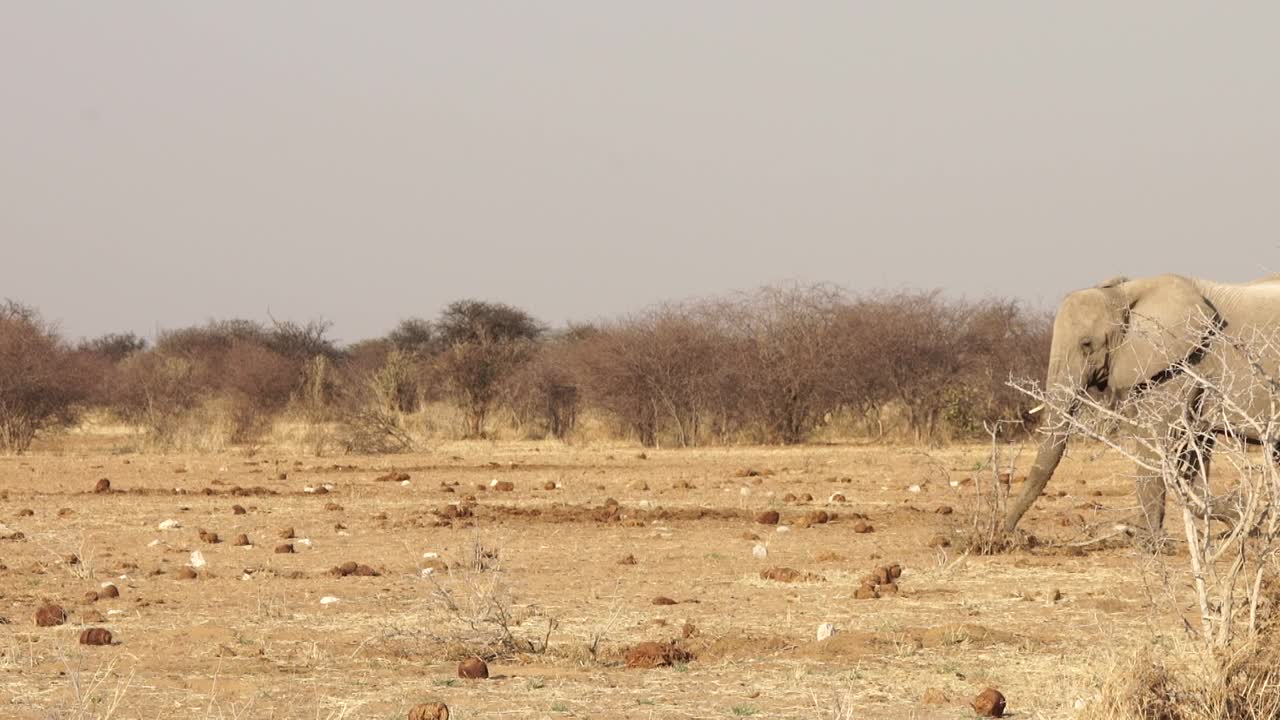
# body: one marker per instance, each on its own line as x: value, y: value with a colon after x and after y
x: 404, y: 483
x: 427, y: 571
x: 826, y: 630
x: 328, y: 600
x: 493, y: 482
x: 955, y: 483
x: 646, y: 504
x: 430, y: 555
x: 745, y: 492
x: 914, y: 489
x: 759, y: 552
x: 308, y: 489
x: 783, y: 529
x: 303, y: 541
x: 115, y: 612
x: 153, y: 543
x: 169, y: 525
x: 328, y: 486
x: 197, y: 560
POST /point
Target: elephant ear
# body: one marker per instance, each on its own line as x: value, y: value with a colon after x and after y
x: 1165, y: 321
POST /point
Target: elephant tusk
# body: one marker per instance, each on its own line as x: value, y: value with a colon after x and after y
x: 1036, y: 409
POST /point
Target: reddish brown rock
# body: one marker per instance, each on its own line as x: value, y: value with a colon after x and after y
x: 332, y: 507
x: 944, y: 510
x: 284, y: 548
x: 241, y: 540
x: 990, y: 703
x: 95, y: 636
x: 50, y: 615
x: 664, y: 600
x: 102, y: 486
x: 109, y: 591
x: 504, y: 486
x: 238, y: 510
x: 866, y: 592
x: 90, y: 597
x: 862, y: 527
x: 208, y: 537
x: 549, y: 486
x: 473, y: 668
x: 768, y: 517
x: 187, y: 573
x: 628, y: 560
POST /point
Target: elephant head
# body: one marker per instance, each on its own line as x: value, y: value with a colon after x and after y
x: 1107, y: 341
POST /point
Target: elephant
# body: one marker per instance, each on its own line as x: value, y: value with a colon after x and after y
x: 1129, y: 336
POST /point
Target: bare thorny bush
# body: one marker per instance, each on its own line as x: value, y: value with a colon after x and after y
x: 1221, y: 400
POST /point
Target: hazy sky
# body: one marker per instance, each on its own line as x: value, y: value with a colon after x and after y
x: 166, y: 162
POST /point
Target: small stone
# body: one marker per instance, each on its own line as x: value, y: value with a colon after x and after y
x: 768, y: 517
x: 826, y: 630
x: 109, y: 591
x: 504, y: 486
x: 990, y: 703
x: 95, y: 636
x: 549, y: 486
x: 862, y: 526
x: 50, y: 615
x: 866, y: 592
x: 473, y: 668
x: 187, y: 573
x: 284, y: 548
x: 759, y: 552
x: 944, y: 510
x: 90, y: 597
x: 628, y: 560
x: 238, y: 510
x: 663, y: 600
x: 169, y: 525
x: 102, y: 486
x: 241, y: 540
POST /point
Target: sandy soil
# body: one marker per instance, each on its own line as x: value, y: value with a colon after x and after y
x: 250, y: 638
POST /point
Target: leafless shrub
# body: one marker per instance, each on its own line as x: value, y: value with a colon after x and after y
x: 41, y: 380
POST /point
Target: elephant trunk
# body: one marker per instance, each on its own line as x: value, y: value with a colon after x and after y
x: 1047, y: 458
x: 1062, y: 380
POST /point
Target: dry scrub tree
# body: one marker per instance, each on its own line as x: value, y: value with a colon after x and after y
x: 1220, y: 401
x: 41, y: 380
x: 483, y: 344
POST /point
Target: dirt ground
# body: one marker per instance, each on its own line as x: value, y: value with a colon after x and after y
x: 249, y: 637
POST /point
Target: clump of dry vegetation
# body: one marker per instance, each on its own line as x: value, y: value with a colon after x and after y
x: 780, y: 365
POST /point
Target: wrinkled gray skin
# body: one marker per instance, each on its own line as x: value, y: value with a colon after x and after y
x: 1122, y: 333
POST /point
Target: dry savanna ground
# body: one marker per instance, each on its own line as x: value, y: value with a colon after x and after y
x: 553, y: 563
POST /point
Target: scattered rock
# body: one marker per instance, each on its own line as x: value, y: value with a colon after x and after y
x: 333, y: 507
x: 866, y: 592
x: 768, y: 517
x: 208, y: 537
x: 392, y: 477
x: 285, y: 533
x: 95, y: 636
x: 102, y: 486
x: 473, y: 668
x: 943, y: 510
x: 628, y: 560
x: 169, y: 525
x: 109, y: 591
x: 651, y: 655
x: 862, y: 527
x: 837, y: 498
x: 187, y: 573
x: 429, y: 711
x: 242, y: 540
x: 549, y: 486
x: 90, y: 597
x: 284, y: 548
x: 826, y: 630
x: 664, y: 600
x: 759, y: 552
x: 50, y: 615
x: 238, y: 510
x: 990, y: 703
x: 504, y: 486
x: 353, y: 568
